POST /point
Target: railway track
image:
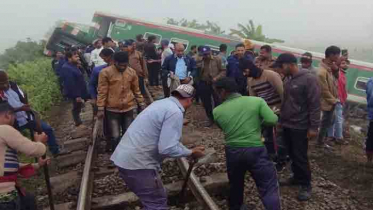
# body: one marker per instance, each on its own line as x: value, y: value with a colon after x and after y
x: 85, y: 199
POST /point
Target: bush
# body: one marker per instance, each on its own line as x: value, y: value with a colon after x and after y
x: 38, y: 80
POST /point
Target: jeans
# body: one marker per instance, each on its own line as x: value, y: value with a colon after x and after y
x: 166, y: 89
x: 256, y: 161
x: 54, y: 148
x: 154, y: 71
x: 142, y: 86
x: 208, y: 97
x: 118, y: 124
x: 147, y: 185
x: 268, y: 133
x: 326, y: 122
x: 336, y: 130
x: 77, y: 109
x: 23, y: 202
x: 297, y: 147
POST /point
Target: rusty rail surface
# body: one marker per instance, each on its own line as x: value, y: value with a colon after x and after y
x: 86, y: 185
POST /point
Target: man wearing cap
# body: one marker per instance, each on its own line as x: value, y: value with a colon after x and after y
x: 306, y: 63
x: 179, y: 67
x: 265, y: 59
x: 267, y: 85
x: 137, y: 62
x: 299, y: 119
x: 234, y: 71
x: 154, y: 135
x: 119, y: 94
x: 96, y: 60
x: 211, y: 70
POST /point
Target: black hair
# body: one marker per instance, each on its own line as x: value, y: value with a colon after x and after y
x: 106, y: 40
x: 228, y: 84
x: 305, y: 60
x: 223, y: 48
x: 151, y: 38
x: 267, y: 48
x: 240, y: 45
x: 121, y: 57
x: 193, y: 47
x: 139, y: 37
x: 332, y: 50
x: 199, y: 48
x: 5, y: 107
x: 106, y: 52
x: 70, y: 53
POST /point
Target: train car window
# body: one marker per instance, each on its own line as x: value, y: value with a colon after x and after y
x: 361, y: 83
x: 182, y: 41
x: 215, y: 50
x: 159, y: 37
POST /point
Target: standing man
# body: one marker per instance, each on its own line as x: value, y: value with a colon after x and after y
x: 108, y: 43
x: 138, y: 63
x: 249, y: 50
x: 306, y: 63
x: 300, y: 119
x: 57, y: 64
x: 267, y: 85
x: 193, y: 51
x: 369, y: 139
x: 11, y: 143
x: 265, y: 60
x: 153, y: 61
x: 74, y: 85
x: 223, y: 55
x: 140, y: 43
x: 329, y: 91
x: 234, y: 71
x: 166, y: 49
x: 154, y: 135
x: 179, y: 67
x: 335, y: 132
x: 211, y: 70
x: 164, y: 73
x: 241, y: 118
x: 119, y: 94
x: 96, y: 60
x: 107, y: 56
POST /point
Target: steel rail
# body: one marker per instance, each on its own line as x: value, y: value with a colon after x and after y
x: 86, y: 185
x: 196, y: 187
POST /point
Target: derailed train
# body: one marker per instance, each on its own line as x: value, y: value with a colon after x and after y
x: 121, y: 28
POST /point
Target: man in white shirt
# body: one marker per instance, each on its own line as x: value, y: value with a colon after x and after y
x: 95, y: 54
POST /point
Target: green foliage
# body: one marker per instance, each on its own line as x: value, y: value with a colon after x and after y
x: 208, y: 27
x: 37, y: 79
x: 249, y: 31
x: 23, y: 51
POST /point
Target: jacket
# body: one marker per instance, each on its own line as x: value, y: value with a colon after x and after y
x: 73, y: 82
x: 169, y: 65
x: 118, y: 91
x: 233, y: 67
x: 93, y: 82
x: 301, y: 106
x: 369, y: 92
x: 342, y: 92
x: 137, y: 62
x: 213, y: 70
x: 329, y: 87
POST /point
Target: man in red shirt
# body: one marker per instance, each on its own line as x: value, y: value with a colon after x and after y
x: 335, y: 132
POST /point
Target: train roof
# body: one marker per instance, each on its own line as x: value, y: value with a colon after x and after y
x: 226, y: 38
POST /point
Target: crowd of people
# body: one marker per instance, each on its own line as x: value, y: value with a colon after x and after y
x: 268, y: 108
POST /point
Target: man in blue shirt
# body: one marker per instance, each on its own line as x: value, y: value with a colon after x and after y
x: 74, y: 85
x: 154, y: 135
x: 234, y: 71
x: 180, y: 65
x: 107, y: 56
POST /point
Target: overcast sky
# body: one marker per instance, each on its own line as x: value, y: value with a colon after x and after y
x: 298, y: 22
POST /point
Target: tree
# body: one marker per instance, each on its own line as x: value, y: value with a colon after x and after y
x: 28, y: 50
x: 249, y: 31
x: 208, y: 27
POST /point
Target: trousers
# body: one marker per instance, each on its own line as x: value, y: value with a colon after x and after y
x: 208, y: 97
x: 77, y: 109
x: 336, y: 130
x: 256, y: 161
x: 118, y: 124
x: 296, y: 143
x: 369, y: 139
x: 142, y: 86
x: 147, y: 185
x: 326, y: 122
x: 154, y: 71
x: 23, y: 202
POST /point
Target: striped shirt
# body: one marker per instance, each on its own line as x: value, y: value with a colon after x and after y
x: 268, y: 86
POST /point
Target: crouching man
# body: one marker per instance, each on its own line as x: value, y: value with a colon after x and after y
x: 12, y: 142
x: 154, y: 135
x: 241, y: 118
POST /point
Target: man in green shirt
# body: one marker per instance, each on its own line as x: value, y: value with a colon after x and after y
x: 241, y: 118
